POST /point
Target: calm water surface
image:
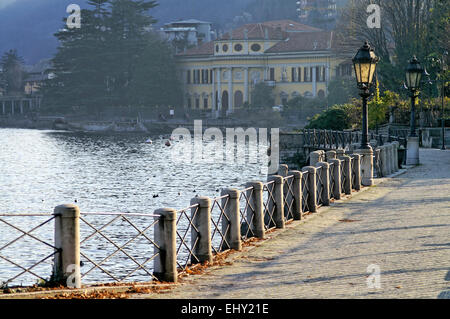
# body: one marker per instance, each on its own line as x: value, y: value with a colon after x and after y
x: 100, y: 173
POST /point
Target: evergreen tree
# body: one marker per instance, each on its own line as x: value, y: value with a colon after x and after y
x: 114, y: 59
x: 12, y: 75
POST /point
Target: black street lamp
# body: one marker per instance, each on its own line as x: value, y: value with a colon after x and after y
x: 414, y: 73
x: 365, y: 64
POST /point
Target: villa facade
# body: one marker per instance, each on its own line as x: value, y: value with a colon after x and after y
x: 294, y: 59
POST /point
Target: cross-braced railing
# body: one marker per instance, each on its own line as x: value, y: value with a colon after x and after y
x: 130, y: 241
x: 319, y: 187
x: 305, y: 192
x: 269, y: 204
x: 220, y: 224
x: 186, y: 231
x: 343, y: 178
x: 28, y: 230
x: 332, y: 180
x: 247, y: 213
x: 289, y: 197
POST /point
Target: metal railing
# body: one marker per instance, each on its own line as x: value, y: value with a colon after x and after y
x: 186, y: 232
x: 15, y: 272
x: 328, y: 139
x: 319, y: 187
x: 126, y: 246
x: 220, y: 224
x: 269, y: 205
x: 105, y: 238
x: 247, y: 213
x: 289, y: 197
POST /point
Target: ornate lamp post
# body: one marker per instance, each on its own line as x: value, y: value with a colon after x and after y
x: 365, y: 63
x: 414, y: 73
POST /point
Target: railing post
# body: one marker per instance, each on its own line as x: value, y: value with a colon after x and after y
x: 232, y: 222
x: 336, y: 171
x: 347, y: 162
x: 202, y: 221
x: 256, y: 201
x: 283, y: 170
x: 357, y: 171
x: 396, y: 146
x: 278, y: 195
x: 366, y: 166
x: 383, y: 158
x: 340, y: 152
x: 312, y: 187
x: 331, y: 155
x: 165, y: 267
x: 391, y: 158
x: 297, y: 190
x: 325, y: 177
x: 67, y: 241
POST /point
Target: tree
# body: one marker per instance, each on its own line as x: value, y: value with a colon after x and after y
x: 114, y: 59
x: 155, y: 78
x: 12, y: 74
x: 262, y: 95
x: 413, y: 27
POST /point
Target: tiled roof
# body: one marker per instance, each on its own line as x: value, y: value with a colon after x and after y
x: 290, y: 26
x: 305, y: 41
x: 206, y: 48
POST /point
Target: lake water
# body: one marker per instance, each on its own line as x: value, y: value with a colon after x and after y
x: 100, y: 173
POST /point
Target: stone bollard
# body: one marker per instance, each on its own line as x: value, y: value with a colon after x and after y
x: 396, y: 147
x: 312, y: 187
x: 336, y: 172
x: 366, y: 166
x: 340, y: 152
x: 412, y: 151
x: 315, y: 157
x: 387, y: 148
x: 231, y: 222
x: 325, y: 177
x: 283, y: 170
x: 201, y: 218
x: 330, y: 155
x: 255, y: 197
x: 165, y: 267
x: 356, y: 171
x: 278, y: 215
x: 297, y: 190
x: 347, y: 170
x: 67, y: 241
x: 384, y: 160
x: 391, y: 158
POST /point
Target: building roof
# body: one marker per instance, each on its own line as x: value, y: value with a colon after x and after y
x: 276, y: 30
x: 206, y: 48
x: 291, y: 37
x: 189, y: 21
x: 305, y: 41
x: 290, y: 26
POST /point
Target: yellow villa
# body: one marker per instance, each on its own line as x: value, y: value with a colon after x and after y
x: 293, y: 58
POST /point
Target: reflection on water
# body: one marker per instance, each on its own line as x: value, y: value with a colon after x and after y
x: 103, y: 173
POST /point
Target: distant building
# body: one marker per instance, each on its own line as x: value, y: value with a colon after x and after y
x: 293, y: 58
x: 189, y: 33
x: 36, y: 75
x: 321, y: 13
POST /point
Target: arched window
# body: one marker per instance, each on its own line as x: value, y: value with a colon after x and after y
x: 238, y: 99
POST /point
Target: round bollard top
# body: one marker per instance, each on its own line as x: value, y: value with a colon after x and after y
x: 232, y: 192
x: 167, y: 213
x: 67, y: 211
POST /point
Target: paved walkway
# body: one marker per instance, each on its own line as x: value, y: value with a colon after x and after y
x: 402, y: 226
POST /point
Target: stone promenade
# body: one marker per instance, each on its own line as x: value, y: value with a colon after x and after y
x: 400, y: 226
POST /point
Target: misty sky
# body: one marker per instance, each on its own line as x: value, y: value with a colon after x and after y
x: 4, y: 3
